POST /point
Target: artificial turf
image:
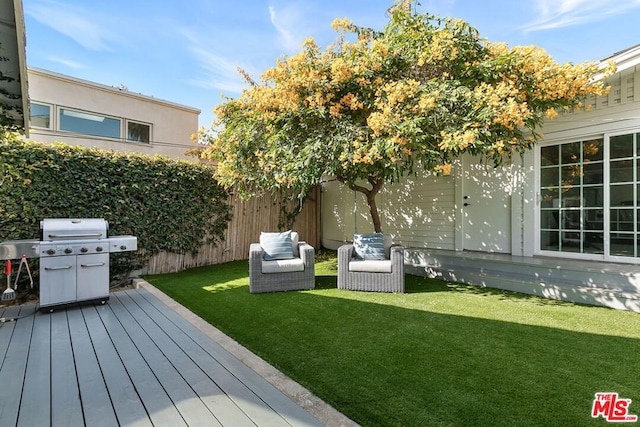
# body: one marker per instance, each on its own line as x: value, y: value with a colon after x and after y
x: 442, y: 354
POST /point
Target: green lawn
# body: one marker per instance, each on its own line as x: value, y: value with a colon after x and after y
x: 441, y: 354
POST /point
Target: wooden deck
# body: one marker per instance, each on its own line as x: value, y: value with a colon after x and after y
x: 131, y: 362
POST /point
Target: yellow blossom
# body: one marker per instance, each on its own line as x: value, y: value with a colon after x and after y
x: 551, y: 113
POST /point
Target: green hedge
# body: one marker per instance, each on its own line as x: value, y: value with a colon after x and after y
x: 169, y: 205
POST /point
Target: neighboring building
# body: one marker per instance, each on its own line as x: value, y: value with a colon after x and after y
x: 570, y: 207
x: 79, y: 112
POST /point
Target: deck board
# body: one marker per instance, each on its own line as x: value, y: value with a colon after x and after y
x: 158, y: 405
x: 278, y: 402
x: 191, y: 339
x: 187, y: 402
x: 35, y: 405
x: 127, y: 405
x: 131, y: 362
x: 6, y: 330
x: 176, y: 347
x: 13, y: 368
x: 66, y: 406
x: 96, y: 403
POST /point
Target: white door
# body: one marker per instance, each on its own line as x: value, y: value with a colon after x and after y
x: 485, y: 201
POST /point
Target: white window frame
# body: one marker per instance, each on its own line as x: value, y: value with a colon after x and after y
x: 126, y: 131
x: 606, y: 256
x: 51, y: 115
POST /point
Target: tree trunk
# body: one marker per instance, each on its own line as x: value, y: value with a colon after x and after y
x: 370, y: 195
x: 373, y: 210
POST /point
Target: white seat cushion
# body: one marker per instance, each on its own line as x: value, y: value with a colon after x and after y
x: 371, y: 266
x: 282, y: 265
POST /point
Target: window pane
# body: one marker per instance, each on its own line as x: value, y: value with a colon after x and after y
x: 622, y: 244
x: 549, y: 155
x: 549, y: 177
x: 571, y: 153
x: 549, y: 219
x: 550, y: 198
x: 622, y: 171
x: 89, y: 124
x: 622, y: 195
x: 40, y: 115
x: 571, y: 175
x: 593, y: 150
x: 571, y: 197
x: 549, y: 240
x: 592, y: 173
x: 571, y: 220
x: 593, y: 219
x: 593, y: 243
x: 621, y: 146
x: 593, y: 196
x: 622, y: 220
x: 138, y: 132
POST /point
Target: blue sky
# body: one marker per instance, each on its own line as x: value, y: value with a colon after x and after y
x: 188, y: 51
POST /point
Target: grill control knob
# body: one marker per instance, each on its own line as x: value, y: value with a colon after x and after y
x: 99, y: 249
x: 68, y: 251
x: 51, y: 251
x: 84, y: 250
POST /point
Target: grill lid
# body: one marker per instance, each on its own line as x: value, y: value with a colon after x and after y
x: 54, y: 229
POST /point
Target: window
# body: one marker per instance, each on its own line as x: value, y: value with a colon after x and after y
x: 138, y: 132
x: 89, y: 124
x: 623, y: 189
x: 40, y: 115
x: 589, y: 196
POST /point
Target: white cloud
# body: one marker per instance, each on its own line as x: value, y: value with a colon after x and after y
x: 564, y: 13
x: 287, y: 23
x: 77, y: 23
x: 67, y: 62
x: 214, y: 71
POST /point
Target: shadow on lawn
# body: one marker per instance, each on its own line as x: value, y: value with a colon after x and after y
x: 419, y: 285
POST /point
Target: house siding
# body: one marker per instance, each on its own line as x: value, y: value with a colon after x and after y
x: 419, y: 211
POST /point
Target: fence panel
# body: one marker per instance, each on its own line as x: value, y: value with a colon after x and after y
x: 249, y: 219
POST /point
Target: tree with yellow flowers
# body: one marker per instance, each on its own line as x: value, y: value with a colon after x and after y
x: 375, y: 106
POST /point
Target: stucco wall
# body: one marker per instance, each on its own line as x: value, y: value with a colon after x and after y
x: 171, y: 124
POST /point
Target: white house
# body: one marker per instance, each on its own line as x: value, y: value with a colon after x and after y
x: 79, y: 112
x: 561, y: 221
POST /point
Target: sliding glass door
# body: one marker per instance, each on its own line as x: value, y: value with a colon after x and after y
x: 589, y: 197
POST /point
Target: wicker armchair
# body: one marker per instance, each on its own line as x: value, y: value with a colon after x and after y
x: 282, y: 275
x: 371, y: 275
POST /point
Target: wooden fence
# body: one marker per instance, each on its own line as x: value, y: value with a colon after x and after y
x: 249, y: 219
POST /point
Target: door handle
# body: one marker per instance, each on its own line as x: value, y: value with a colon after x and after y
x: 65, y: 267
x: 97, y: 264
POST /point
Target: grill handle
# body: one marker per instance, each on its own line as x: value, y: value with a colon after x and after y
x: 97, y: 264
x: 74, y: 236
x: 66, y: 267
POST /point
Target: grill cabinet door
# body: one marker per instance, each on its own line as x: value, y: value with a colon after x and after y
x: 93, y: 276
x: 57, y: 280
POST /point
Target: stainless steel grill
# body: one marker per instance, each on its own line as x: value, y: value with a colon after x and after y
x: 74, y: 259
